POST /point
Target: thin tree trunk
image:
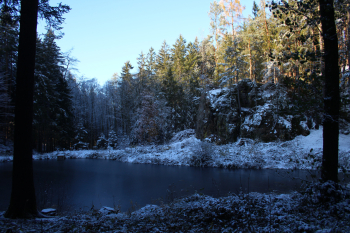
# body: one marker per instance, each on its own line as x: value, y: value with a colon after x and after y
x: 250, y: 62
x: 321, y: 48
x: 331, y: 98
x: 266, y: 26
x: 348, y: 40
x: 23, y: 201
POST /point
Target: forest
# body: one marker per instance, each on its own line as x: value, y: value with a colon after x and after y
x: 247, y: 99
x: 166, y: 91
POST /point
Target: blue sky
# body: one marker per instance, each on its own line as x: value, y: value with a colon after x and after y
x: 105, y: 34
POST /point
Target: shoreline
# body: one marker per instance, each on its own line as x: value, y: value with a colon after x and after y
x: 321, y: 207
x: 301, y: 153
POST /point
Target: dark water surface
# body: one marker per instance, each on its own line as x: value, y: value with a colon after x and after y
x: 83, y: 183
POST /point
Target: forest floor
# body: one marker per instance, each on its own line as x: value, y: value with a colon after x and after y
x: 319, y: 208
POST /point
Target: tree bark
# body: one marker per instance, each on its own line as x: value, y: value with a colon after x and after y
x: 250, y: 62
x: 23, y: 201
x: 331, y: 96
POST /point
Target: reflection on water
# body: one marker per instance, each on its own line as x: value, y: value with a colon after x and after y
x: 74, y: 184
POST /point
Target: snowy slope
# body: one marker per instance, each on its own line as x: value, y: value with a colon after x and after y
x: 303, y: 152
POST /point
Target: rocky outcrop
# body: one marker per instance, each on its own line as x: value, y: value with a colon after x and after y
x: 248, y: 110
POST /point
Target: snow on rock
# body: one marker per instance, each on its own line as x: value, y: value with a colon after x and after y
x: 249, y: 110
x: 49, y: 211
x: 107, y: 210
x: 218, y: 97
x: 182, y: 135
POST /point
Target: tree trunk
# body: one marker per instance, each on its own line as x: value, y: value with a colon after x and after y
x: 331, y: 97
x: 23, y: 201
x: 348, y: 40
x: 250, y: 62
x: 266, y: 25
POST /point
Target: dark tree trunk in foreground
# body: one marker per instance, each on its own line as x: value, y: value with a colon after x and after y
x: 331, y: 98
x: 23, y: 202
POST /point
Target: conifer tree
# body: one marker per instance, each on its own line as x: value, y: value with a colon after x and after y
x: 207, y: 64
x: 178, y: 55
x: 126, y: 98
x: 8, y: 58
x: 174, y: 96
x: 151, y: 61
x: 142, y: 78
x: 297, y: 52
x: 112, y: 139
x: 255, y: 9
x: 191, y: 59
x: 163, y: 61
x: 52, y: 101
x: 146, y: 128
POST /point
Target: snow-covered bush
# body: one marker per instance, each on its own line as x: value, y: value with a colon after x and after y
x: 81, y: 146
x: 202, y: 154
x: 6, y: 149
x: 183, y: 135
x: 112, y: 139
x: 325, y: 193
x: 117, y: 155
x: 102, y: 143
x: 93, y: 155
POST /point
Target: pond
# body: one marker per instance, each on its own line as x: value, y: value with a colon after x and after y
x: 83, y: 184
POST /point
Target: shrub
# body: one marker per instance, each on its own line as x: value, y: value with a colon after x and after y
x: 102, y: 143
x: 202, y: 154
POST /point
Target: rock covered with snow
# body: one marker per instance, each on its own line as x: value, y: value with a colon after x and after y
x: 105, y: 210
x: 249, y: 110
x: 49, y: 212
x: 182, y: 135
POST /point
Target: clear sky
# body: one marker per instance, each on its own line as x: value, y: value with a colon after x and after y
x: 105, y: 34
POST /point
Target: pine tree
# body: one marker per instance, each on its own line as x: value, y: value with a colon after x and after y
x: 151, y: 61
x: 207, y: 64
x: 178, y: 55
x: 163, y: 61
x: 102, y: 143
x: 112, y: 139
x: 8, y: 58
x: 255, y: 9
x: 191, y: 59
x: 297, y: 53
x: 65, y: 118
x: 53, y: 119
x: 146, y: 128
x: 127, y: 104
x: 141, y: 80
x: 174, y: 96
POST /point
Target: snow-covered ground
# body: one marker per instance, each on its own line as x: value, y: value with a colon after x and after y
x: 321, y: 208
x: 303, y: 152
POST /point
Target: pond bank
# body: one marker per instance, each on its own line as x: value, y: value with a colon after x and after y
x: 320, y: 208
x: 303, y: 152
